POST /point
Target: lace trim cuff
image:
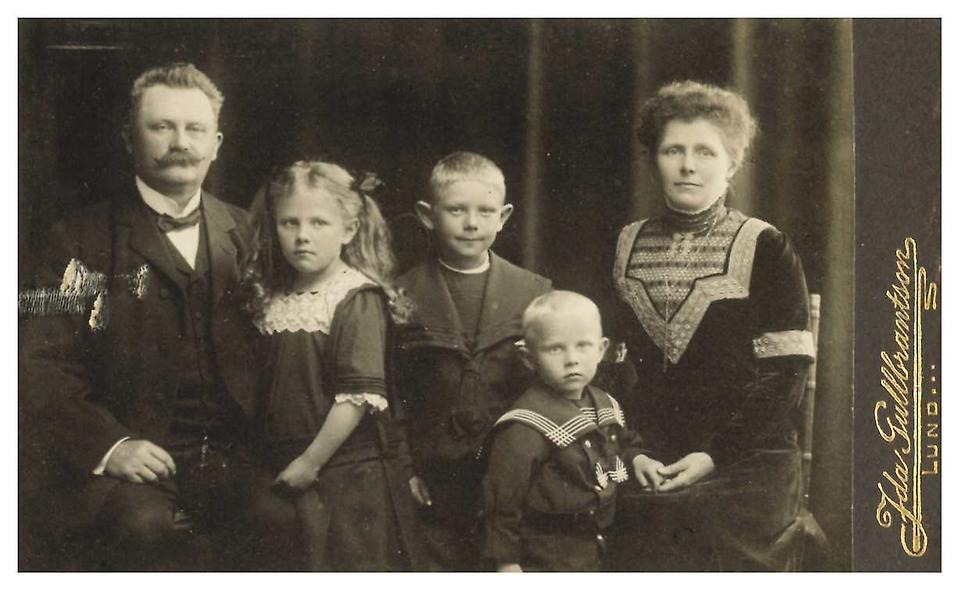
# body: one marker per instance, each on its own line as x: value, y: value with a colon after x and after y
x: 376, y: 402
x: 788, y: 342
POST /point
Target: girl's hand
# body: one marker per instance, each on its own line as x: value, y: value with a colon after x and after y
x: 299, y: 475
x: 689, y: 470
x: 647, y: 471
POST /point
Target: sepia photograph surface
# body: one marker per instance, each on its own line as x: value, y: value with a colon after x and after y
x: 161, y: 395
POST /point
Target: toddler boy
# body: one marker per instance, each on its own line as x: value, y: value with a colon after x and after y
x: 559, y: 453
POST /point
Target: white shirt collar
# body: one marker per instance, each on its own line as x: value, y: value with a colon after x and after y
x: 475, y: 271
x: 162, y: 204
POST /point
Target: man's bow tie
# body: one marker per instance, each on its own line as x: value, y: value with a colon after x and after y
x: 169, y: 223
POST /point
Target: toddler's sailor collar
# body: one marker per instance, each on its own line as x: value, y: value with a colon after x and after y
x: 561, y: 421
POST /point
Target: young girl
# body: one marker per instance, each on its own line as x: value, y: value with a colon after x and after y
x: 325, y: 502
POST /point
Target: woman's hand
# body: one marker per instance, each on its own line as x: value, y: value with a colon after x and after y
x: 420, y: 492
x: 299, y: 475
x: 690, y: 469
x: 647, y: 471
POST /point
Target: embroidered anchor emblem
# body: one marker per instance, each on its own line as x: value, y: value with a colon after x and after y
x: 602, y: 478
x: 618, y: 474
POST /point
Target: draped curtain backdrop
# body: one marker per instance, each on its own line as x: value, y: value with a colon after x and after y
x: 554, y: 102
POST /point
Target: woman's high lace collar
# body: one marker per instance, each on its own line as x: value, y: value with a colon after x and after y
x: 696, y: 223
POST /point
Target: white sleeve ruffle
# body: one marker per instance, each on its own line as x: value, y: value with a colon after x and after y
x: 376, y: 402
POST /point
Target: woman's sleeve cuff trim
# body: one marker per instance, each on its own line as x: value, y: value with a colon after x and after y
x: 787, y: 342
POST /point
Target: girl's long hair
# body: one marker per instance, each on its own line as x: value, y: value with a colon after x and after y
x: 369, y: 252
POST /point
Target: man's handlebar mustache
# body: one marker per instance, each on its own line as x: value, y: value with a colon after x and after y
x: 178, y: 159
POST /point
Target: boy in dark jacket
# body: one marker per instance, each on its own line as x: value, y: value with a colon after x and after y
x: 458, y: 368
x: 560, y: 452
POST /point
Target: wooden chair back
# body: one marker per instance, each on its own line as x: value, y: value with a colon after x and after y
x: 809, y: 398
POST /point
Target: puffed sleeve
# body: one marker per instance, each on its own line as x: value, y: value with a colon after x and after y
x: 517, y: 453
x: 782, y: 349
x: 359, y: 350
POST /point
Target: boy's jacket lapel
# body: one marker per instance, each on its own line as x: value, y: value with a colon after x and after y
x: 435, y: 317
x: 507, y: 292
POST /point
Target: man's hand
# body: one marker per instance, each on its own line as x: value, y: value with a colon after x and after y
x: 299, y: 475
x: 647, y: 471
x: 418, y: 488
x: 511, y: 567
x: 688, y: 470
x: 139, y: 461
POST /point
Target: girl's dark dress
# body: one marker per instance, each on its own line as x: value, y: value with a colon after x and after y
x: 723, y: 374
x: 328, y: 347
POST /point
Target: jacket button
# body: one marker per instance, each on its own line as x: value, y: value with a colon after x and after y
x: 613, y: 438
x: 587, y: 444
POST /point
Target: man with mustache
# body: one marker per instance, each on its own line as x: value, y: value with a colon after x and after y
x: 145, y: 390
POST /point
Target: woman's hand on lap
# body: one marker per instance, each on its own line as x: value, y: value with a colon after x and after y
x: 687, y: 471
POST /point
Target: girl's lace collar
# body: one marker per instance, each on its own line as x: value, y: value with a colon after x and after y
x: 313, y: 311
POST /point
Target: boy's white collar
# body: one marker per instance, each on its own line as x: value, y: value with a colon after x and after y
x: 475, y: 271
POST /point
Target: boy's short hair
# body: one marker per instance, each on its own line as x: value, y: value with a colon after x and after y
x: 554, y: 302
x: 464, y: 166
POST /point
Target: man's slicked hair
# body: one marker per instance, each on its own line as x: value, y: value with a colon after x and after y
x: 174, y: 75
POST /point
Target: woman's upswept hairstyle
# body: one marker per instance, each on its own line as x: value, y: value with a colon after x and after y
x: 369, y: 252
x: 174, y: 75
x: 691, y: 100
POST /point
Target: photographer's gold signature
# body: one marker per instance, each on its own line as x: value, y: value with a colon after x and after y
x: 900, y: 425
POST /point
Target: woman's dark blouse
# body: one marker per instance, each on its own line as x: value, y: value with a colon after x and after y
x: 736, y: 347
x: 322, y: 348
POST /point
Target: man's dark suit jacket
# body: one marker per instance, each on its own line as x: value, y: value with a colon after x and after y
x: 82, y: 390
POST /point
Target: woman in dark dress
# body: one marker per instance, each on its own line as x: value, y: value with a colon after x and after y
x: 715, y: 316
